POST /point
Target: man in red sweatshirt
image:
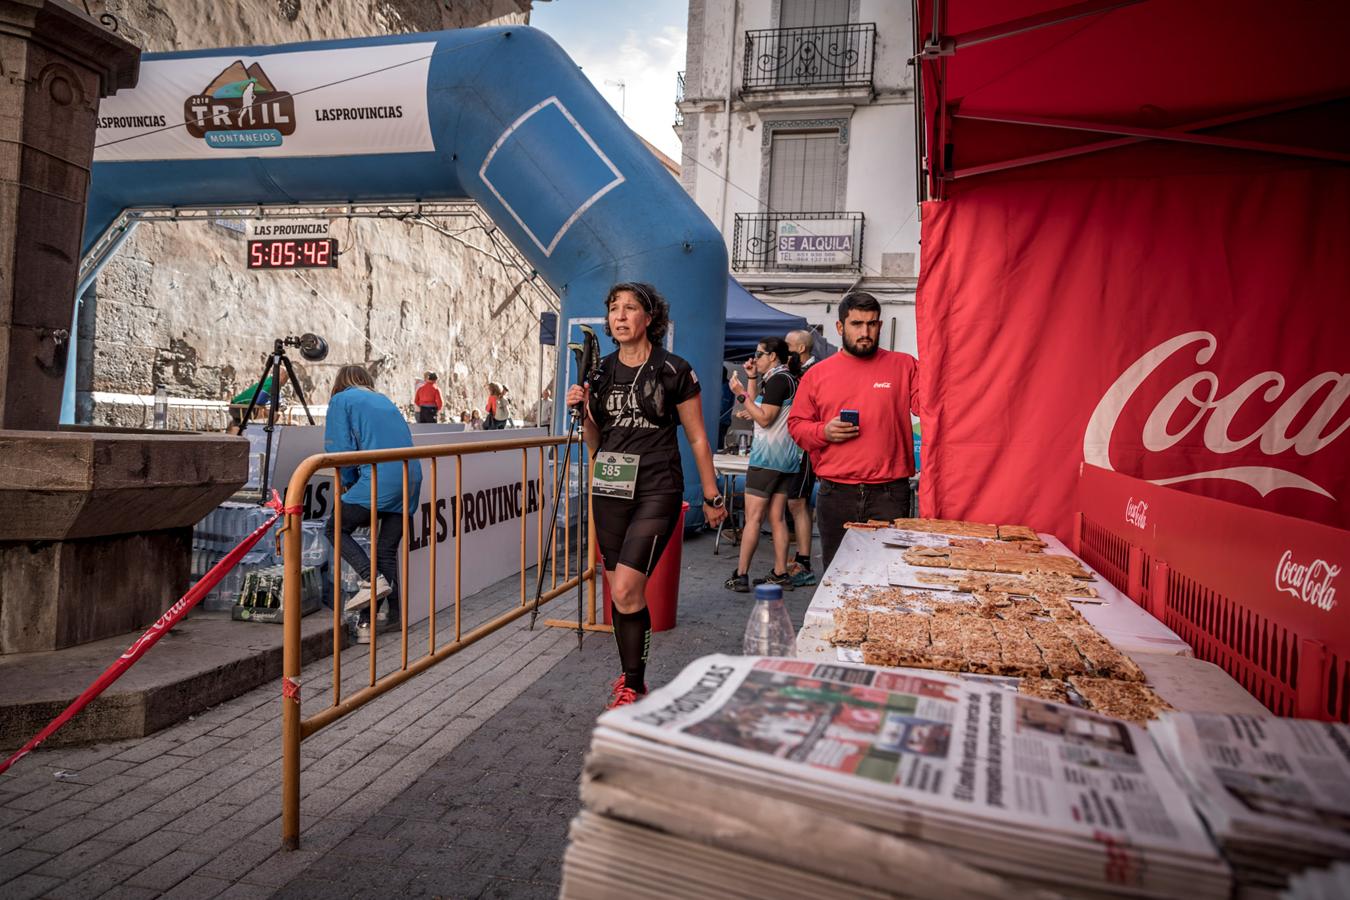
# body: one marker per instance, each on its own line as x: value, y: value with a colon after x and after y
x: 863, y: 468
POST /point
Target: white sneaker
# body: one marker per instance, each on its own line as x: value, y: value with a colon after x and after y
x: 361, y: 630
x: 362, y: 595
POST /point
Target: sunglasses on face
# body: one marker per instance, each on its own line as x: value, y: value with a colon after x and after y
x: 758, y: 353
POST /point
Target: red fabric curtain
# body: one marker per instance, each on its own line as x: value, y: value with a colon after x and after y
x: 1175, y: 314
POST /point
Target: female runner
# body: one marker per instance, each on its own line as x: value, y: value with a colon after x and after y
x: 633, y: 405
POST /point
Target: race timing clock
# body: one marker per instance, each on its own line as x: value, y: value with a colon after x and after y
x: 293, y: 253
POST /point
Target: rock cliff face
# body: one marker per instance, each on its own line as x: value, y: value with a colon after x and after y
x: 177, y: 306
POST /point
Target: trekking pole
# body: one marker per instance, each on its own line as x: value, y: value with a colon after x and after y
x: 587, y: 355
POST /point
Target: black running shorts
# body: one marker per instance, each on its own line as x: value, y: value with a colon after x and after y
x: 804, y: 482
x: 764, y: 483
x: 634, y: 532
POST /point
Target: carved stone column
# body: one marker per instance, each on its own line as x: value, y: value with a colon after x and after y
x: 95, y: 527
x: 55, y: 65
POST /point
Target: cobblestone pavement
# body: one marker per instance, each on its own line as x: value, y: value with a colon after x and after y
x: 459, y: 783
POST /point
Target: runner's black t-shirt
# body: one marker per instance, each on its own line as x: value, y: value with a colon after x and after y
x: 624, y: 428
x: 777, y: 390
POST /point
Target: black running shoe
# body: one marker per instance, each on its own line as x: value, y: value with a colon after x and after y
x: 782, y: 579
x: 738, y: 583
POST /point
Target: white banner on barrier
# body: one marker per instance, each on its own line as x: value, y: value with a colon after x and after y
x: 494, y: 503
x: 345, y: 102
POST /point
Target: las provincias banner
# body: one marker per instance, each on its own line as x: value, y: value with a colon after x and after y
x: 1178, y: 315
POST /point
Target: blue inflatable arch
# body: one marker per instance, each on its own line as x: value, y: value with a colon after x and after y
x: 501, y: 116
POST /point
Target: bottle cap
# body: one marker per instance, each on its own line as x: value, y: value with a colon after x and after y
x: 768, y: 592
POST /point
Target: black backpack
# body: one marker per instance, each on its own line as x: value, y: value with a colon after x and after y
x: 655, y: 383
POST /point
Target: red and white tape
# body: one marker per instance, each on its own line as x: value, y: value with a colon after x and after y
x: 156, y: 631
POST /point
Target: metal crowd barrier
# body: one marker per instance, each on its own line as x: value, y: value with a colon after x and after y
x: 294, y: 729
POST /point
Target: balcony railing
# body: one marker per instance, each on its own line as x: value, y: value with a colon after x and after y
x: 679, y: 98
x: 838, y: 56
x: 797, y: 242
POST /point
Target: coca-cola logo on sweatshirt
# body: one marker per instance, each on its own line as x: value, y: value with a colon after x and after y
x: 1264, y: 431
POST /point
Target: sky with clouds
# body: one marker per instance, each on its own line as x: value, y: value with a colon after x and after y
x: 637, y: 42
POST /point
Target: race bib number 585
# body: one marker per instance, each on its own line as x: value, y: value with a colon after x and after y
x: 615, y: 474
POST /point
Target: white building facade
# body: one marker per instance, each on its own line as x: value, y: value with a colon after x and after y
x: 797, y: 124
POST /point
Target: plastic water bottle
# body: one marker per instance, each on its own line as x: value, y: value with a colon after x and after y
x: 161, y: 418
x: 743, y: 444
x: 769, y: 631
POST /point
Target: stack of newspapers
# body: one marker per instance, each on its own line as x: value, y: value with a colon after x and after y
x: 1274, y: 792
x: 781, y: 777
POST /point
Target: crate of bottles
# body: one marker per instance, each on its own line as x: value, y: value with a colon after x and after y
x: 260, y: 597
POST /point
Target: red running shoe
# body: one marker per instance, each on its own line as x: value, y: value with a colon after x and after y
x: 620, y: 694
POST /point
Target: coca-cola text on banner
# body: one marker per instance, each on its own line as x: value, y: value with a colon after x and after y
x: 1187, y: 328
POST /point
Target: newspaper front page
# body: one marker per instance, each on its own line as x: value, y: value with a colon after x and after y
x: 932, y: 743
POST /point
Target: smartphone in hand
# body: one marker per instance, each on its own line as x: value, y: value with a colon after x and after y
x: 849, y: 415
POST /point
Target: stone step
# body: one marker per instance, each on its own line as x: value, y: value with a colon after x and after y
x: 205, y: 660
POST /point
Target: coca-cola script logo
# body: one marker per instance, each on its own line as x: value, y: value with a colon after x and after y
x: 1310, y: 583
x: 1136, y: 513
x: 1272, y: 438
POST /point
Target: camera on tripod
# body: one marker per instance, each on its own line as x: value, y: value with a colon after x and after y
x: 313, y: 348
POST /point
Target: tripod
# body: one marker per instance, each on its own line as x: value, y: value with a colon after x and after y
x: 273, y: 367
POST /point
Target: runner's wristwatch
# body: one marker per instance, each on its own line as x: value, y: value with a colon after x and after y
x: 715, y: 502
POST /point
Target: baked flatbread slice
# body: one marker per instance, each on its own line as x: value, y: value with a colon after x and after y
x: 949, y: 527
x: 1017, y: 533
x: 850, y: 627
x: 1120, y: 699
x: 1051, y: 689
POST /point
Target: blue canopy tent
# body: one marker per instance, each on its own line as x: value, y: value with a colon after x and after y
x: 749, y: 319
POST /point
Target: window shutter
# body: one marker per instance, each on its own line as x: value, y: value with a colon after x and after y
x: 804, y: 172
x: 812, y: 13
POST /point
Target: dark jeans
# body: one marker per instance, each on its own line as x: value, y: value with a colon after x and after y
x: 839, y: 503
x: 390, y: 535
x: 426, y: 414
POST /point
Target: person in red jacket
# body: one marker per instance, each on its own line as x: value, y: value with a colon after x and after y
x: 863, y: 468
x: 428, y: 399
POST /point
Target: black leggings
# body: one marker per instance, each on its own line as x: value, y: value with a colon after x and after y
x: 387, y: 541
x: 635, y: 532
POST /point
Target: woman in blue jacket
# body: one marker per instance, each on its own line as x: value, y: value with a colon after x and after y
x: 360, y: 418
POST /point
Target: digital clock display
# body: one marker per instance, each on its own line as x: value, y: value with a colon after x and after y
x: 298, y: 253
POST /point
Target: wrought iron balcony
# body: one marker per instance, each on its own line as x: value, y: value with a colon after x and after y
x: 797, y: 242
x: 839, y: 56
x: 679, y: 98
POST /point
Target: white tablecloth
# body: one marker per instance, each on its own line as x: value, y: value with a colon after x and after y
x: 864, y: 560
x: 1187, y: 683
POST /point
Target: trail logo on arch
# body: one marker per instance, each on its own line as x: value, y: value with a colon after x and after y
x: 336, y: 102
x: 240, y: 108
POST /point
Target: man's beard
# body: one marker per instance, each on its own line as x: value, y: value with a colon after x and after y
x: 855, y: 350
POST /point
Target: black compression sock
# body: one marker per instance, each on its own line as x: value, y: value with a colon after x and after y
x: 633, y: 632
x: 804, y: 561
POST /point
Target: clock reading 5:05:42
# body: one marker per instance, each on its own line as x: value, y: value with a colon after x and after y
x: 296, y: 253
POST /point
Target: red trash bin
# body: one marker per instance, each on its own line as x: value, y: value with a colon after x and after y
x: 663, y: 587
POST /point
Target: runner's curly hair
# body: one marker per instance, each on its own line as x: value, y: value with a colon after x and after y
x: 651, y: 300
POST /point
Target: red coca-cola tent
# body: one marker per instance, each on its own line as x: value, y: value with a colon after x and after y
x: 1136, y: 252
